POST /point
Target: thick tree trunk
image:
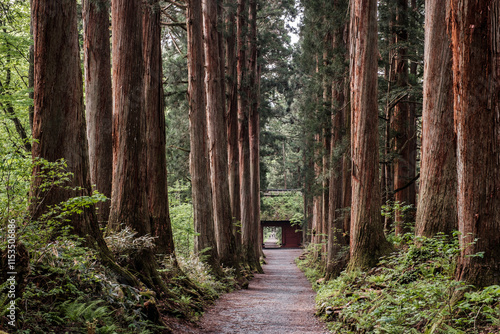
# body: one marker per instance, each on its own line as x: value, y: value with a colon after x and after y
x: 437, y: 201
x: 129, y: 202
x: 199, y: 156
x: 249, y: 240
x: 59, y: 123
x: 98, y: 98
x: 217, y: 135
x: 156, y: 162
x: 367, y: 242
x: 128, y: 199
x: 476, y: 77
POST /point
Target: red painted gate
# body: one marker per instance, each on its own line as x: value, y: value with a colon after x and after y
x: 291, y: 236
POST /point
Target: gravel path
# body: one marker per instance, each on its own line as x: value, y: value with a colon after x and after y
x: 280, y: 301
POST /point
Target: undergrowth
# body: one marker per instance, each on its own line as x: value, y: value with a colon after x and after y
x: 410, y: 291
x: 62, y: 287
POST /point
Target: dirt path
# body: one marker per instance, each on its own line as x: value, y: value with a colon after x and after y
x: 278, y: 302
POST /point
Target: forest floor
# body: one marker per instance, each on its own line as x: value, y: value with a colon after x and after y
x: 279, y: 301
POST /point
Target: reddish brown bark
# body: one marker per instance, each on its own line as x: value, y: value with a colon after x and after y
x: 400, y: 119
x: 199, y: 156
x: 254, y: 126
x: 232, y: 121
x: 340, y: 185
x: 367, y: 241
x: 98, y: 98
x: 437, y: 205
x: 249, y: 238
x: 476, y: 79
x: 59, y: 123
x: 217, y: 135
x: 128, y: 199
x: 156, y: 163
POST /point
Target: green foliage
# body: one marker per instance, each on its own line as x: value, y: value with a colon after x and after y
x: 181, y: 218
x: 411, y: 291
x: 288, y: 206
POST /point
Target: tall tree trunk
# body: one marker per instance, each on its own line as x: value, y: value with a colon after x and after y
x: 98, y: 98
x: 58, y: 120
x: 437, y: 200
x: 31, y: 72
x: 326, y: 143
x: 232, y: 123
x: 249, y: 241
x: 340, y: 177
x: 254, y: 126
x: 199, y: 156
x: 129, y: 202
x: 399, y: 121
x: 156, y: 162
x: 59, y: 123
x: 476, y: 78
x: 217, y: 135
x: 368, y: 242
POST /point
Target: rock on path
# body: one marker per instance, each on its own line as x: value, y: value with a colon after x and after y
x: 280, y: 301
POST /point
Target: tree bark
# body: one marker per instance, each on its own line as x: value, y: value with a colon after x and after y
x: 199, y: 155
x: 217, y: 134
x: 98, y: 98
x: 59, y: 123
x: 476, y: 79
x: 232, y: 124
x: 156, y: 162
x: 249, y: 241
x: 367, y: 241
x: 338, y: 241
x: 58, y: 120
x: 400, y: 119
x: 254, y: 126
x: 437, y: 204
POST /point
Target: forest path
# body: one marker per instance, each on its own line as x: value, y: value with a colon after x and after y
x: 280, y: 301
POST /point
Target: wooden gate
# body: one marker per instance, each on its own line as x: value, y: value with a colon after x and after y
x: 291, y: 236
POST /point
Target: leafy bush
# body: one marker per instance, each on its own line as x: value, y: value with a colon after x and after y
x: 411, y: 291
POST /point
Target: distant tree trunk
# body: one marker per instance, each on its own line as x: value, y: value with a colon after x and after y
x: 337, y: 233
x: 156, y: 163
x: 368, y: 242
x: 437, y: 204
x: 336, y: 238
x: 476, y: 77
x: 326, y: 143
x: 232, y: 123
x: 412, y: 130
x: 254, y: 126
x: 199, y: 156
x: 59, y: 123
x: 98, y: 98
x: 31, y: 71
x: 400, y: 119
x: 217, y: 134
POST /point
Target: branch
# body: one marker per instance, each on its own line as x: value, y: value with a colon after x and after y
x: 175, y: 3
x: 407, y: 185
x: 175, y: 24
